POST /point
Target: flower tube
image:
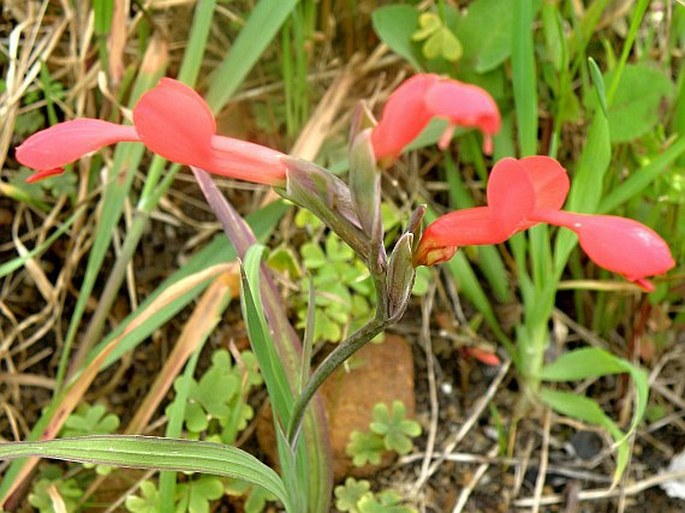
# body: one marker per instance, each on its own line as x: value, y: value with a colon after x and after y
x: 617, y: 244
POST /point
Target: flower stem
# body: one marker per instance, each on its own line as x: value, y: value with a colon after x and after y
x: 334, y: 360
x: 342, y: 352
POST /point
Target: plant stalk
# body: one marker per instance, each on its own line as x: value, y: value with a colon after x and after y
x: 342, y: 352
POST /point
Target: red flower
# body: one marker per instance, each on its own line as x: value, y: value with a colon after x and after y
x: 515, y: 189
x: 423, y: 97
x: 522, y: 193
x: 173, y: 121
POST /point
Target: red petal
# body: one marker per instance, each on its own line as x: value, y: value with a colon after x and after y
x: 511, y: 196
x: 66, y: 142
x: 550, y: 181
x: 616, y: 243
x: 404, y: 117
x: 40, y: 175
x: 464, y: 104
x: 176, y: 123
x: 470, y: 226
x: 483, y: 356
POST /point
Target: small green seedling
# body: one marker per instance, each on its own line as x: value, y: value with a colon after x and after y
x: 217, y: 402
x: 148, y: 502
x: 438, y: 39
x: 344, y: 293
x: 193, y: 496
x: 256, y: 497
x: 390, y: 431
x: 396, y: 430
x: 53, y: 486
x: 356, y: 497
x: 365, y: 447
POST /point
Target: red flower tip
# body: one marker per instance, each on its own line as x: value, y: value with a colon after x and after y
x: 35, y: 177
x: 51, y: 149
x: 465, y: 105
x: 467, y: 227
x: 483, y: 356
x: 416, y: 101
x: 617, y: 244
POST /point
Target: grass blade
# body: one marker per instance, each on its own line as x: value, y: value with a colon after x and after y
x: 261, y: 27
x: 155, y: 453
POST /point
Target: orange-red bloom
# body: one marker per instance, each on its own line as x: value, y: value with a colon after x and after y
x: 425, y: 96
x: 522, y: 193
x: 173, y: 121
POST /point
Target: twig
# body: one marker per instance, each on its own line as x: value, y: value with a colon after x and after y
x: 425, y: 338
x: 477, y: 476
x: 544, y: 459
x: 609, y: 493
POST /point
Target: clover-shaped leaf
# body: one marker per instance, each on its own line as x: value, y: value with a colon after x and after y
x: 384, y: 502
x: 439, y: 40
x: 365, y: 448
x: 256, y: 496
x: 195, y: 496
x: 313, y: 257
x: 257, y: 499
x: 68, y: 491
x: 305, y: 219
x: 90, y: 420
x: 347, y: 496
x: 148, y: 503
x: 250, y: 366
x: 344, y: 289
x: 337, y: 250
x: 396, y: 430
x: 211, y: 396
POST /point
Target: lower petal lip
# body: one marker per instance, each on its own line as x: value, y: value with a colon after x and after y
x: 40, y: 175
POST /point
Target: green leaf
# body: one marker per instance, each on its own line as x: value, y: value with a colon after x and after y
x: 439, y: 41
x: 68, y: 490
x: 195, y: 496
x: 644, y: 93
x: 384, y: 502
x: 90, y: 420
x: 395, y: 428
x: 594, y: 362
x: 394, y: 25
x: 348, y: 495
x: 600, y: 88
x: 313, y: 257
x: 272, y: 369
x: 266, y: 17
x: 365, y: 448
x: 148, y: 503
x: 155, y: 453
x: 486, y: 33
x: 588, y: 362
x: 257, y: 499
